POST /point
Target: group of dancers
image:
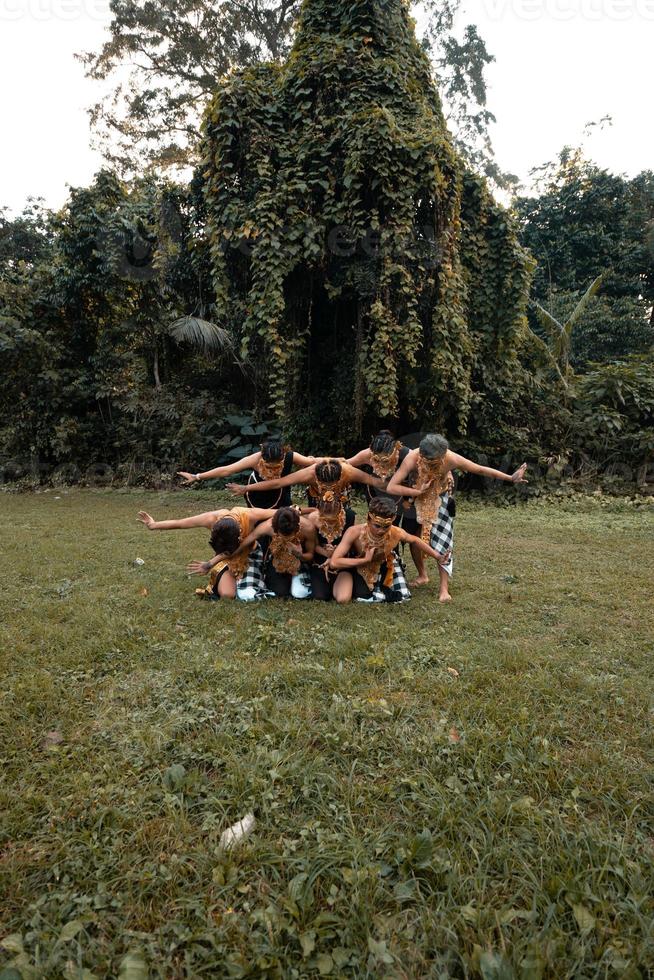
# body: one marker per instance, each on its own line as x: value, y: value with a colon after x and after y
x: 271, y: 548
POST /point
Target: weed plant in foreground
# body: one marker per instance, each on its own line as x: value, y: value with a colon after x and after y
x: 460, y: 791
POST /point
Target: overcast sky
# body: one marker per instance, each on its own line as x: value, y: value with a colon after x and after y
x: 560, y: 64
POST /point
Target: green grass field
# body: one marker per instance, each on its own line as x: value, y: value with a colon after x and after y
x: 460, y: 791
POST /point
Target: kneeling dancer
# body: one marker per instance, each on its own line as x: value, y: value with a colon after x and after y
x: 229, y: 576
x: 366, y: 560
x: 292, y: 543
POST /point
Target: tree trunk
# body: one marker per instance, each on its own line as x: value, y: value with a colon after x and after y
x: 358, y: 374
x: 155, y: 369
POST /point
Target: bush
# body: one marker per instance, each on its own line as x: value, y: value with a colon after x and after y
x: 614, y: 413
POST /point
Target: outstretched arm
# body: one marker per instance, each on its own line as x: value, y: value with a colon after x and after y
x: 204, y: 567
x: 247, y: 463
x: 461, y: 463
x: 397, y: 485
x: 306, y: 475
x: 303, y: 461
x: 356, y: 475
x: 200, y: 520
x: 361, y: 459
x: 259, y: 532
x: 261, y: 513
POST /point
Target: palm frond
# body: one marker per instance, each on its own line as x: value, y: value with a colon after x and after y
x: 583, y: 303
x: 200, y: 333
x: 541, y: 346
x: 549, y: 322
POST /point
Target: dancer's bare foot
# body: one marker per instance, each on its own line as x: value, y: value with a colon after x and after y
x: 444, y: 596
x: 421, y: 580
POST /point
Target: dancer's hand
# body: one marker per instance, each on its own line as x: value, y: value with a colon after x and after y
x: 443, y: 559
x: 237, y: 489
x: 326, y: 568
x: 519, y: 475
x: 296, y: 549
x: 330, y: 549
x: 188, y: 477
x: 144, y: 518
x: 368, y: 557
x: 198, y: 567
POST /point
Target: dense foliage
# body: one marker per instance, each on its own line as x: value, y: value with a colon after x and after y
x: 587, y: 222
x: 350, y: 246
x: 88, y: 299
x: 336, y: 257
x: 176, y: 49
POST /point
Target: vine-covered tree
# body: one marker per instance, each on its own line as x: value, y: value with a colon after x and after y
x: 176, y: 49
x: 352, y: 249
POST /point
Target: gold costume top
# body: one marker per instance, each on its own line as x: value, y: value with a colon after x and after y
x: 332, y: 498
x: 385, y: 466
x: 270, y: 471
x: 432, y: 482
x: 236, y: 564
x: 284, y: 560
x: 384, y: 552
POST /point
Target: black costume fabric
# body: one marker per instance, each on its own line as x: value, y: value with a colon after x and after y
x: 271, y: 499
x: 372, y: 492
x: 322, y: 586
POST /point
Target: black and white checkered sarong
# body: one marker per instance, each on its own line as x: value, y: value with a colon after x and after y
x: 252, y: 585
x: 442, y: 534
x: 399, y: 590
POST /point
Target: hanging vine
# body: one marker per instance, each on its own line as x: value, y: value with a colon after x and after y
x: 333, y: 179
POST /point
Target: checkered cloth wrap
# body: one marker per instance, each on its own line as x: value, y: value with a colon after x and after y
x: 252, y: 585
x: 399, y: 590
x: 304, y: 576
x: 258, y: 582
x: 442, y: 534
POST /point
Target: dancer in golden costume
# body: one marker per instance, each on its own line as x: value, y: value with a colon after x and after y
x: 366, y: 557
x: 382, y: 459
x: 273, y: 461
x: 228, y: 528
x: 425, y: 475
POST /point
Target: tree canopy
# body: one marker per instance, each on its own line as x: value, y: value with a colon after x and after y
x: 352, y: 249
x: 585, y: 222
x: 150, y: 111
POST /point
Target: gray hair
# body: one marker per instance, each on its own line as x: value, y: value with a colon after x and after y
x: 433, y: 446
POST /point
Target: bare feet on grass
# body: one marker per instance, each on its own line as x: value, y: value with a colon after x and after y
x: 420, y: 580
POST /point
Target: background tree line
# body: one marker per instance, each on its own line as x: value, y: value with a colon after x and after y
x: 108, y: 346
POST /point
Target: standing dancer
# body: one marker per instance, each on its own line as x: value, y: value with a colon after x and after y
x: 273, y: 461
x: 381, y: 459
x: 366, y: 560
x: 425, y: 475
x: 228, y: 528
x: 329, y: 481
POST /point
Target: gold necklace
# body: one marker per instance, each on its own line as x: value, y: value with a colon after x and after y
x: 269, y: 471
x: 284, y: 560
x: 432, y: 480
x: 385, y: 466
x: 330, y: 525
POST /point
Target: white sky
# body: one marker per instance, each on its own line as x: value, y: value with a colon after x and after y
x: 560, y: 64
